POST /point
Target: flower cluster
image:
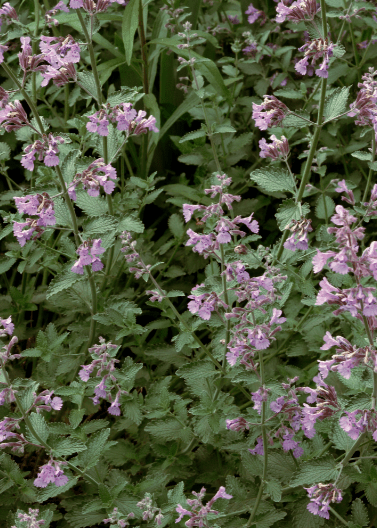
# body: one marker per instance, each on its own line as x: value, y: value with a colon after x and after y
x: 61, y: 53
x: 95, y: 7
x: 365, y: 106
x: 50, y: 21
x: 254, y: 14
x: 45, y: 401
x: 7, y: 13
x: 357, y: 422
x: 88, y: 253
x: 270, y: 113
x: 314, y: 50
x: 28, y: 61
x: 12, y: 115
x: 278, y: 149
x: 115, y: 519
x: 97, y: 175
x: 297, y: 12
x: 30, y: 518
x: 6, y: 326
x: 138, y: 267
x: 51, y: 473
x: 299, y: 238
x: 45, y: 148
x: 321, y: 495
x: 104, y: 361
x: 207, y: 244
x: 199, y: 512
x: 125, y: 116
x: 39, y: 205
x: 204, y: 303
x: 149, y: 511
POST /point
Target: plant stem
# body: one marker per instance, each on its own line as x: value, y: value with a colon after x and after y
x: 370, y: 170
x: 336, y: 514
x: 28, y: 99
x: 315, y: 138
x: 104, y: 138
x: 265, y: 447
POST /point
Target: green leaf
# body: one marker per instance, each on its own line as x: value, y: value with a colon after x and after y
x: 317, y: 470
x: 129, y: 25
x: 193, y: 135
x: 68, y: 166
x: 296, y: 121
x: 224, y: 129
x: 75, y: 417
x: 359, y: 154
x: 166, y: 430
x: 4, y: 151
x: 104, y: 493
x: 289, y: 94
x: 273, y: 488
x: 87, y: 80
x: 371, y: 493
x: 176, y: 225
x: 151, y: 104
x: 336, y: 103
x: 360, y: 513
x: 95, y: 449
x: 91, y: 205
x: 270, y: 518
x: 40, y: 427
x: 325, y: 207
x: 289, y: 211
x: 273, y: 180
x: 61, y: 282
x: 77, y: 519
x: 100, y: 225
x: 6, y: 264
x: 69, y: 446
x: 340, y: 438
x: 131, y: 224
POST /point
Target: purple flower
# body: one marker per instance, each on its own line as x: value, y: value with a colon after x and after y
x: 321, y: 495
x: 30, y: 519
x: 254, y: 14
x: 126, y: 117
x: 7, y: 13
x: 278, y: 149
x: 314, y: 50
x: 199, y: 512
x: 297, y: 12
x: 270, y: 113
x: 7, y: 326
x: 59, y: 51
x: 237, y: 424
x: 88, y: 252
x: 46, y: 149
x: 51, y: 473
x: 97, y: 175
x: 39, y: 205
x: 258, y: 397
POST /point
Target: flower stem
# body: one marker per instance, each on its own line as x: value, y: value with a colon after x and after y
x: 370, y: 170
x: 315, y: 138
x: 28, y: 99
x: 104, y: 138
x: 336, y: 514
x: 265, y: 447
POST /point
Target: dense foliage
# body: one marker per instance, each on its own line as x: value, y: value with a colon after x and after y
x: 188, y: 307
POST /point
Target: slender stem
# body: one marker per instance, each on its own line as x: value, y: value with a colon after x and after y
x: 348, y: 456
x: 69, y: 204
x: 336, y: 514
x: 370, y: 170
x: 143, y: 44
x: 34, y: 47
x: 28, y: 99
x: 265, y: 447
x: 355, y: 52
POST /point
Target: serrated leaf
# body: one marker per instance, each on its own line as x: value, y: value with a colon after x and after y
x: 68, y: 166
x: 176, y: 225
x: 289, y: 210
x: 336, y: 103
x: 340, y: 438
x: 91, y: 205
x: 4, y: 151
x: 360, y: 513
x: 273, y: 488
x: 131, y: 224
x: 193, y: 135
x: 371, y: 493
x: 325, y: 207
x: 270, y: 518
x: 273, y: 180
x: 87, y: 80
x: 359, y: 154
x: 296, y: 121
x: 104, y: 494
x: 69, y: 446
x: 313, y: 471
x: 39, y: 425
x: 129, y: 26
x: 94, y: 451
x: 62, y: 282
x: 80, y: 520
x: 100, y: 225
x: 75, y: 417
x: 224, y: 129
